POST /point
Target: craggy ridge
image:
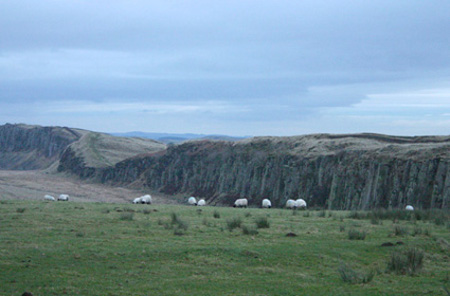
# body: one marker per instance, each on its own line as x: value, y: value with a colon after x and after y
x: 353, y: 171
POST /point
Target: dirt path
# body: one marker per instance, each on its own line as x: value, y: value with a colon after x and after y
x: 35, y: 184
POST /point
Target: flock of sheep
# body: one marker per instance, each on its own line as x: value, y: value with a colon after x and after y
x: 239, y: 203
x: 61, y: 197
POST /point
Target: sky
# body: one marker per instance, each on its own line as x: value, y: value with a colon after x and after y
x: 241, y: 68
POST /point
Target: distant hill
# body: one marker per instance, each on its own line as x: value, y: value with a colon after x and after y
x: 177, y: 138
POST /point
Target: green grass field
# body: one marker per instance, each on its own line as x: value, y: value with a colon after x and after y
x: 66, y: 248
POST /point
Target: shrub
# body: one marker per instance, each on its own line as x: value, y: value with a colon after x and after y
x: 20, y: 210
x: 352, y: 276
x: 234, y: 223
x: 262, y: 222
x: 127, y: 216
x: 248, y: 230
x: 408, y: 262
x: 355, y: 234
x: 216, y: 214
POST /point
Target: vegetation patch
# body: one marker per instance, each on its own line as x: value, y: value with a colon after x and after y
x: 352, y: 276
x: 262, y: 222
x: 355, y: 234
x: 234, y: 223
x: 409, y: 261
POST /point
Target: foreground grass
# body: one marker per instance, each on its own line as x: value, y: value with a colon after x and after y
x: 99, y: 249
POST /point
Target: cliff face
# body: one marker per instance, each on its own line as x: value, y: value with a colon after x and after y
x: 24, y: 147
x: 337, y: 172
x: 360, y: 171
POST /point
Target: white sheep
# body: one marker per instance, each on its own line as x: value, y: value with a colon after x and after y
x: 63, y: 197
x: 290, y: 204
x: 241, y: 203
x: 192, y: 201
x: 409, y: 208
x: 146, y: 199
x: 49, y: 198
x: 201, y: 202
x: 266, y: 203
x: 300, y: 203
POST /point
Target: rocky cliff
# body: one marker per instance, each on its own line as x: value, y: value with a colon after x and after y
x: 360, y: 171
x: 26, y: 147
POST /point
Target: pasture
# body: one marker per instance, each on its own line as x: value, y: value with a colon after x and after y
x: 70, y: 248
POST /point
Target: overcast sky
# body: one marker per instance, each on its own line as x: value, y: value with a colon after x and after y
x: 227, y: 67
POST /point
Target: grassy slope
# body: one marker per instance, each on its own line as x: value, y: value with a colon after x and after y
x: 87, y: 249
x: 100, y: 150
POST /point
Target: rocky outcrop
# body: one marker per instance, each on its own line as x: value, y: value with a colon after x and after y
x: 361, y: 171
x: 25, y: 147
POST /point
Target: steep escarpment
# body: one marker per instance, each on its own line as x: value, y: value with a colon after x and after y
x: 335, y: 171
x: 26, y: 147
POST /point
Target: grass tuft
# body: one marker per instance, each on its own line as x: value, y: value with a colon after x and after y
x: 127, y: 216
x: 249, y: 230
x: 400, y: 230
x: 216, y: 214
x: 354, y: 234
x: 353, y: 276
x: 234, y: 223
x: 408, y: 262
x: 262, y: 222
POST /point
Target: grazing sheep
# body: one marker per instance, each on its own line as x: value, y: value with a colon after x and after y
x: 241, y: 203
x: 192, y: 201
x: 409, y: 208
x: 201, y: 202
x: 290, y: 204
x: 300, y: 203
x: 137, y: 200
x: 266, y: 203
x: 63, y: 197
x: 49, y: 198
x: 146, y: 199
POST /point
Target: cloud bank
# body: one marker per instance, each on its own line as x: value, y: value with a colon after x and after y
x: 232, y: 67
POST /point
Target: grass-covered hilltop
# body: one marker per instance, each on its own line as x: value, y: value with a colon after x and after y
x: 70, y: 248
